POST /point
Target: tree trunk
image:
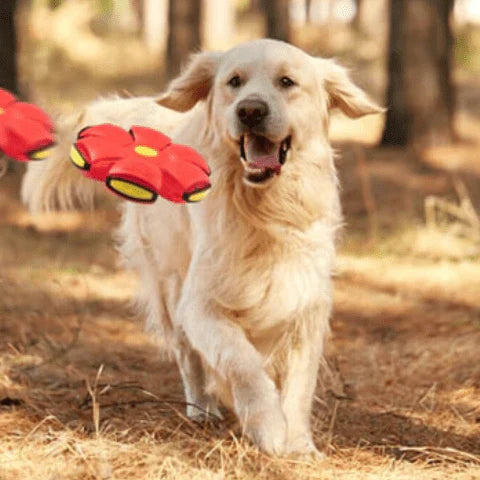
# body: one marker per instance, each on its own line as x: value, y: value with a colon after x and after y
x: 8, y: 46
x: 155, y: 25
x: 277, y: 19
x: 184, y: 33
x: 139, y: 9
x: 53, y: 4
x: 420, y: 96
x: 308, y: 10
x: 359, y: 4
x: 218, y: 24
x: 371, y: 19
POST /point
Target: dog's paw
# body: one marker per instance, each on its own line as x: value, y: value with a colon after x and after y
x: 206, y: 413
x: 308, y: 456
x: 302, y: 447
x: 268, y: 432
x: 207, y: 419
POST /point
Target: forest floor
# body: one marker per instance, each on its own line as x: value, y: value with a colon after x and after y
x: 85, y: 395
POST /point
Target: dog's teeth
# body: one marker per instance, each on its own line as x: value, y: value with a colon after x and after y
x: 253, y: 170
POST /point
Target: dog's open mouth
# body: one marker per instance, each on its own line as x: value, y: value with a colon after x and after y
x: 261, y: 158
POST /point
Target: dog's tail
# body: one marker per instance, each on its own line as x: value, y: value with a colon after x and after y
x: 55, y: 184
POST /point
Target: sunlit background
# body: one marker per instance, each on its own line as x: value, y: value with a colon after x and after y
x: 404, y: 398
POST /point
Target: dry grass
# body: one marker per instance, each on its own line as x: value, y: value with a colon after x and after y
x: 85, y: 395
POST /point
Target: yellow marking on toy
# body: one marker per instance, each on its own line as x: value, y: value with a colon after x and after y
x: 198, y: 196
x: 77, y: 158
x: 130, y: 190
x: 146, y: 151
x: 41, y: 154
x: 1, y: 110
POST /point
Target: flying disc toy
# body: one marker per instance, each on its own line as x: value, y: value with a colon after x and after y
x: 26, y: 131
x: 141, y: 164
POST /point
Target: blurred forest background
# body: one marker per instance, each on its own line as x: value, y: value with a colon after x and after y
x: 83, y: 393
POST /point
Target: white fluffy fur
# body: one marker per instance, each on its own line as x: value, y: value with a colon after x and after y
x: 238, y: 286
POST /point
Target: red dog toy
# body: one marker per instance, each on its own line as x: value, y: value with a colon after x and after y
x: 141, y: 164
x: 26, y: 131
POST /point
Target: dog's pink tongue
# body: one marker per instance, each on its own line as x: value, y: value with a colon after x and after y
x: 267, y: 162
x: 261, y: 159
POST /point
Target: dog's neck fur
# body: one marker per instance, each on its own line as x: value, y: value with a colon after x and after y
x: 286, y: 208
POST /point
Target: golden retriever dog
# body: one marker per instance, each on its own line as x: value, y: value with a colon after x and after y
x: 236, y: 287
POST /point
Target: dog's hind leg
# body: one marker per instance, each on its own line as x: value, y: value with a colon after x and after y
x: 200, y: 405
x: 161, y: 262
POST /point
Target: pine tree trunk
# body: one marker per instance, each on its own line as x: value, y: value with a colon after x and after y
x: 420, y: 96
x: 308, y: 10
x: 218, y: 23
x: 277, y: 19
x: 357, y: 24
x: 371, y: 18
x: 155, y: 25
x: 184, y: 33
x: 8, y: 46
x: 396, y: 132
x: 53, y: 4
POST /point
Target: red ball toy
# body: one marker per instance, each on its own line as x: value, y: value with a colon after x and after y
x: 141, y: 164
x: 26, y: 131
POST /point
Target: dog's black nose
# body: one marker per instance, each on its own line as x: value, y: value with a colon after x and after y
x: 252, y: 112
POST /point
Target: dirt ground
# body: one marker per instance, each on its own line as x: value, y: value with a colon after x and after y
x: 84, y: 393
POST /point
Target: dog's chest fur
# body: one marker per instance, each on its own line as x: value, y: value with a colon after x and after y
x: 262, y: 281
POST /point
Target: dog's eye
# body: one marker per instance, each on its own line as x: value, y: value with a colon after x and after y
x: 235, y: 81
x: 287, y: 82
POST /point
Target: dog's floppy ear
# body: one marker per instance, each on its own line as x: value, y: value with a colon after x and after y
x: 343, y: 93
x: 193, y: 84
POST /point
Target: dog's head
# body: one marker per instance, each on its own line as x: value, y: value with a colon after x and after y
x: 265, y: 98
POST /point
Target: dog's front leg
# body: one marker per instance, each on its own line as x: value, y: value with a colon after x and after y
x: 224, y: 347
x: 299, y: 381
